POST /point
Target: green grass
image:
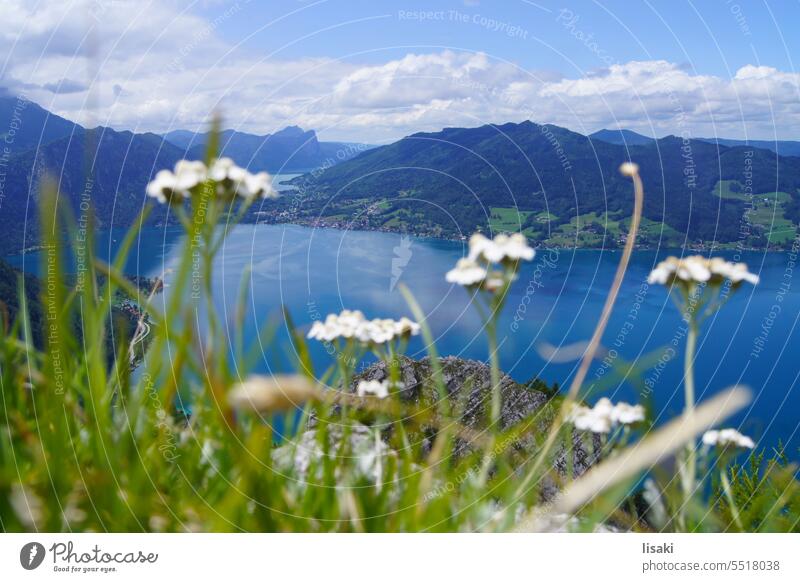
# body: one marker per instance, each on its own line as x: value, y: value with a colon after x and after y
x: 730, y: 189
x: 734, y: 190
x: 586, y: 230
x: 767, y: 214
x: 504, y: 219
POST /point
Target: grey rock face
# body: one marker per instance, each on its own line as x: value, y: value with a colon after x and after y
x: 468, y: 386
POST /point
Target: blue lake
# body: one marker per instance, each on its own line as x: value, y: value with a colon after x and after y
x: 753, y: 340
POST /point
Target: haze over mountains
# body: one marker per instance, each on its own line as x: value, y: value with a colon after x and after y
x: 557, y: 186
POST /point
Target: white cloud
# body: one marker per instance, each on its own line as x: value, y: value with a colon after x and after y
x: 159, y: 67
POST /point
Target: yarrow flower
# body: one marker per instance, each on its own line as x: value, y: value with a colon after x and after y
x: 466, y: 273
x: 503, y: 247
x: 344, y: 325
x: 231, y: 180
x: 476, y: 268
x: 727, y: 437
x: 698, y: 269
x: 624, y: 413
x: 167, y: 186
x: 373, y: 388
x: 605, y: 415
x: 353, y: 325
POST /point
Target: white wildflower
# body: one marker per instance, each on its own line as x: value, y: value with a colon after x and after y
x: 373, y: 388
x: 736, y: 272
x: 698, y: 269
x: 604, y: 415
x: 624, y: 413
x: 231, y: 181
x: 404, y: 326
x: 258, y: 185
x: 503, y: 247
x: 220, y: 168
x: 377, y: 331
x: 190, y: 173
x: 466, y: 273
x: 585, y: 418
x: 323, y: 331
x: 344, y: 325
x: 353, y: 325
x: 727, y: 437
x: 166, y: 186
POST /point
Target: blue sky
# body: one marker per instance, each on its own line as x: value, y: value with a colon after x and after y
x: 712, y: 37
x: 375, y: 71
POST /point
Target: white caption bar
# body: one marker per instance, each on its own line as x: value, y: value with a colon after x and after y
x: 406, y: 557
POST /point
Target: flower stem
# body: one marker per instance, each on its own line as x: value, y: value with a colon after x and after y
x: 496, y: 401
x: 690, y: 472
x: 726, y: 486
x: 494, y: 362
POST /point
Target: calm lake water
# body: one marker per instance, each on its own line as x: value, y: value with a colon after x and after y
x: 557, y: 301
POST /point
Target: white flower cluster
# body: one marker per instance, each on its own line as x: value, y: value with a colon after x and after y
x: 698, y: 269
x: 231, y: 180
x: 605, y: 415
x: 353, y: 325
x: 507, y: 249
x: 166, y: 186
x: 503, y: 247
x: 727, y: 437
x: 466, y: 273
x: 373, y: 388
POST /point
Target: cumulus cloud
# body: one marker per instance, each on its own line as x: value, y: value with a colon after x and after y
x: 160, y: 67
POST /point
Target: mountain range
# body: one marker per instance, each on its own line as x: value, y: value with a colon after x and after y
x: 289, y: 150
x: 563, y: 188
x: 557, y: 186
x: 111, y: 168
x: 630, y: 138
x: 105, y: 167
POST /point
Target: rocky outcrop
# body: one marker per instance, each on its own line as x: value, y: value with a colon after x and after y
x: 468, y: 387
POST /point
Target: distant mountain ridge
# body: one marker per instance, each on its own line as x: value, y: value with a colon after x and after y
x: 628, y: 137
x: 26, y: 125
x: 289, y: 150
x: 101, y: 173
x: 111, y: 168
x: 621, y: 137
x: 557, y: 185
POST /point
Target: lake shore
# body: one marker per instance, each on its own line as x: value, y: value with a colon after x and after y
x: 342, y: 225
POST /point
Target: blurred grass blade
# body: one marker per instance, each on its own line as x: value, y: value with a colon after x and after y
x: 640, y: 456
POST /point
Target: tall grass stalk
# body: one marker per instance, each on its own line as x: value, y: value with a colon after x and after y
x: 534, y: 473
